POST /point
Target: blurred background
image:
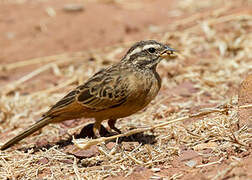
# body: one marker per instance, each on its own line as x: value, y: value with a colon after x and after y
x: 35, y: 28
x: 47, y: 47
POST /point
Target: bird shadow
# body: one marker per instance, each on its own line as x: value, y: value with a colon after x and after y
x: 87, y: 132
x: 142, y: 138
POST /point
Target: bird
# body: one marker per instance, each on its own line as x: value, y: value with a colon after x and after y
x: 117, y: 91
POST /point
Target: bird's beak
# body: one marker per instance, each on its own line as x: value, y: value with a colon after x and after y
x: 168, y: 52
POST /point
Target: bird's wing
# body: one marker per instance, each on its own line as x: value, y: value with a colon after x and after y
x: 106, y: 89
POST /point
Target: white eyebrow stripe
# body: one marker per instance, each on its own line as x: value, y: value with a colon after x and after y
x: 137, y: 50
x: 150, y: 46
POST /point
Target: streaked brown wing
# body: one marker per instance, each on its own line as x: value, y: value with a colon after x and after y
x: 66, y: 100
x: 105, y: 89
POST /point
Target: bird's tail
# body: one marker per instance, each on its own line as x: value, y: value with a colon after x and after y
x: 41, y: 123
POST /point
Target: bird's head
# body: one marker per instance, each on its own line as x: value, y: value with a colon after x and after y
x: 147, y: 54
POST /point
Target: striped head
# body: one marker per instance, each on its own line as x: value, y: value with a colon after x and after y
x: 147, y: 54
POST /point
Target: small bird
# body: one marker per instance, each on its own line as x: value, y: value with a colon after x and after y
x: 115, y: 92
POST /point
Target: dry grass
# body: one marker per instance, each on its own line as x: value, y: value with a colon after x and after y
x: 215, y: 49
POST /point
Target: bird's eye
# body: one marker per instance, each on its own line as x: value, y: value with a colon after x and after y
x: 152, y: 50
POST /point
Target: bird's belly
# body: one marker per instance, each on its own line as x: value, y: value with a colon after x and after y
x: 135, y: 103
x: 124, y: 110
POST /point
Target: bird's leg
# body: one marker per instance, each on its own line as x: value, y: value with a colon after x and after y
x: 96, y: 128
x: 111, y: 123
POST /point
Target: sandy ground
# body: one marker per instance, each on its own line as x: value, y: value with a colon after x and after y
x: 213, y: 38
